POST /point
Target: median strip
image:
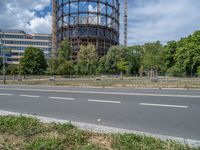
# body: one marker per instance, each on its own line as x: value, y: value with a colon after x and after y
x: 163, y: 105
x: 62, y: 98
x: 31, y: 96
x: 103, y: 101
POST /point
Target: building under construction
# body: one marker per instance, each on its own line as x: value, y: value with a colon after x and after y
x: 86, y: 22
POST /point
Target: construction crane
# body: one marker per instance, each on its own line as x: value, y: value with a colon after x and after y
x: 125, y: 22
x: 54, y: 28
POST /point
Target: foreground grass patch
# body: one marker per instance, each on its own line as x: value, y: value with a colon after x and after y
x: 29, y: 133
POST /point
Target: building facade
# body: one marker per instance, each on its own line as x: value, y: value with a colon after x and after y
x: 16, y: 41
x: 86, y: 22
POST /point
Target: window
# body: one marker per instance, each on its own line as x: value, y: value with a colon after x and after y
x: 74, y: 7
x: 92, y: 7
x: 83, y: 19
x: 66, y: 9
x: 83, y: 6
x: 103, y: 8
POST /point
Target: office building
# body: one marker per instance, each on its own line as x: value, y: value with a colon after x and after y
x: 16, y: 41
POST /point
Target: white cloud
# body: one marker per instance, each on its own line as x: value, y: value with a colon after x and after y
x: 149, y: 20
x: 21, y: 14
x: 40, y: 24
x: 164, y: 20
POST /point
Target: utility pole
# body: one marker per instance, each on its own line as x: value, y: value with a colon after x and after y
x: 3, y: 55
x: 125, y: 22
x: 4, y: 69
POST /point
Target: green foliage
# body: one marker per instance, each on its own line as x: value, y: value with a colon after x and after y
x: 66, y: 68
x: 188, y: 53
x: 20, y: 126
x: 176, y: 58
x: 1, y: 63
x: 28, y: 133
x: 12, y: 70
x: 122, y: 66
x: 152, y: 58
x: 63, y: 65
x: 62, y: 128
x: 45, y: 144
x: 33, y: 62
x: 198, y: 71
x: 87, y: 60
x: 136, y: 142
x: 89, y: 146
x: 183, y: 57
x: 176, y: 71
x: 64, y: 52
x: 168, y: 54
x: 136, y: 53
x: 114, y: 56
x: 101, y: 69
x: 53, y: 66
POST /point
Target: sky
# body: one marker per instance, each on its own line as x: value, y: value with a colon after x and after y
x: 148, y: 20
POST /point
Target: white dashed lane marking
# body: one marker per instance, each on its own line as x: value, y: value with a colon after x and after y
x: 62, y: 98
x: 31, y: 96
x: 5, y: 94
x: 163, y: 105
x: 103, y: 101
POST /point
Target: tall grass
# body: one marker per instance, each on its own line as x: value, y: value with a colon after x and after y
x: 31, y: 134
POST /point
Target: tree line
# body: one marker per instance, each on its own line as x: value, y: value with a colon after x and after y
x: 176, y: 58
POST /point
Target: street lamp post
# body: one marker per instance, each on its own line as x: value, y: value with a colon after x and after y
x: 3, y: 54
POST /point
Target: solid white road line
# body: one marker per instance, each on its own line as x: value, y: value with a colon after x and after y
x: 163, y: 105
x: 5, y: 94
x: 31, y: 96
x: 103, y: 101
x: 62, y: 98
x: 106, y: 93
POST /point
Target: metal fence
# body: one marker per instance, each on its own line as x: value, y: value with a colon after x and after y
x: 105, y: 81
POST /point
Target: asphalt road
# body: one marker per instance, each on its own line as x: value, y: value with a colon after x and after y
x: 167, y: 112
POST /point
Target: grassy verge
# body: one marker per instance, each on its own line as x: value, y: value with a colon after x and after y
x: 111, y: 82
x: 31, y: 134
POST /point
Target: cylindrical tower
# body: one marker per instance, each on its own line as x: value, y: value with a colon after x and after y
x: 88, y: 22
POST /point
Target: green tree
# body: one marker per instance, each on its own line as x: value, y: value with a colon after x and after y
x: 114, y: 55
x: 122, y: 66
x: 87, y: 59
x: 168, y: 55
x: 64, y: 52
x: 101, y: 69
x: 188, y: 53
x: 12, y: 70
x: 33, y: 62
x: 198, y: 71
x: 1, y: 63
x: 136, y: 54
x: 153, y: 58
x: 65, y: 68
x: 63, y: 65
x: 53, y: 66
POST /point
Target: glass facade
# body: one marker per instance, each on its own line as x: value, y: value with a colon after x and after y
x: 17, y: 41
x: 89, y: 20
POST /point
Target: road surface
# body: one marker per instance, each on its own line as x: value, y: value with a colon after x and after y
x: 169, y: 112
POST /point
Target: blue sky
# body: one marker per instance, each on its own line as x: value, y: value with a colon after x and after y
x: 148, y: 20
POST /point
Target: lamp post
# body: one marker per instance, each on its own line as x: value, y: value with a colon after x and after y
x: 3, y: 54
